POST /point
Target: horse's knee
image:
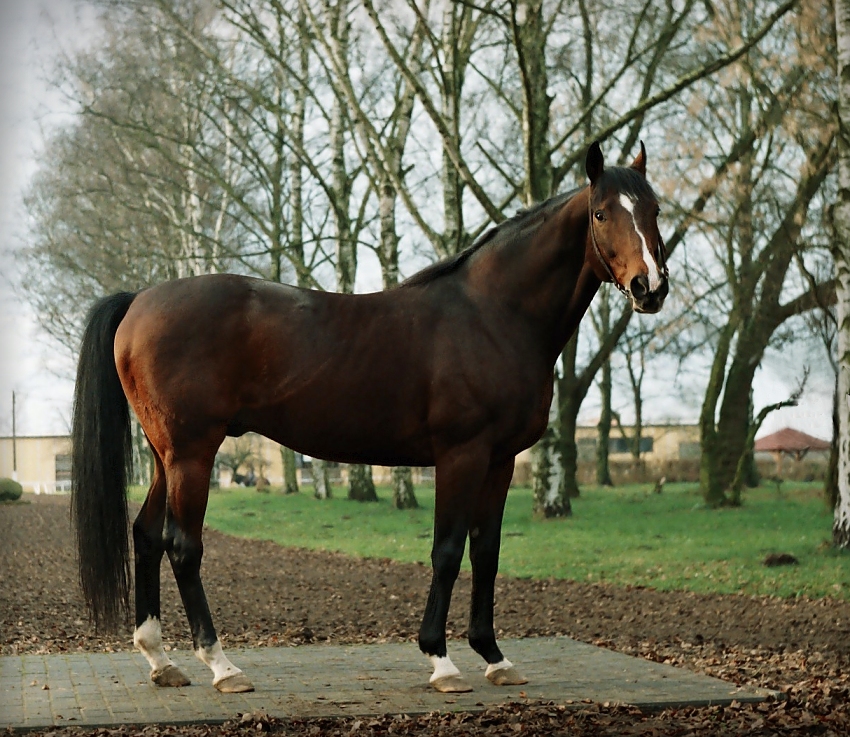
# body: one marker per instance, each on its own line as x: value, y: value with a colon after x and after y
x: 446, y: 558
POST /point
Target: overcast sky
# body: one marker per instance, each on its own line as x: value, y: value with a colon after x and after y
x: 33, y: 33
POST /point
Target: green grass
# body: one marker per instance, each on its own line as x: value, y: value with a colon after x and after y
x: 623, y: 536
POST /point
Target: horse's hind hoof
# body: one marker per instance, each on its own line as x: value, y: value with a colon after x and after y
x: 170, y: 677
x: 237, y: 683
x: 509, y: 676
x: 451, y: 684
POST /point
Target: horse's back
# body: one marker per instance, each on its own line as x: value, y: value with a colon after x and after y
x: 244, y: 354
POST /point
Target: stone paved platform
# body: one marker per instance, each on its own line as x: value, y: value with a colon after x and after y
x: 318, y: 680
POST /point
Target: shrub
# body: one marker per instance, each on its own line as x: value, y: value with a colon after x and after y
x: 10, y: 490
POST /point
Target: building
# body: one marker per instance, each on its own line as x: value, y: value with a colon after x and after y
x: 41, y: 464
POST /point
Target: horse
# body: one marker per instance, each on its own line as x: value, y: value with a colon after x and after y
x: 453, y: 368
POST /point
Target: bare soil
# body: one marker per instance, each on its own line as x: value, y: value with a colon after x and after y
x: 262, y: 594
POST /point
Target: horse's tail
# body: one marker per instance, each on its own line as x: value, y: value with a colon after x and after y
x: 100, y: 458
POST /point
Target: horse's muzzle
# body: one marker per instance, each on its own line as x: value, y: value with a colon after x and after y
x: 646, y: 300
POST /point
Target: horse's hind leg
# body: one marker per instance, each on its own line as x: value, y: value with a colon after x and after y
x: 188, y: 489
x: 148, y: 547
x: 484, y: 540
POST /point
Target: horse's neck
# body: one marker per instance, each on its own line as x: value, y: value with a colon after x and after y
x: 546, y: 275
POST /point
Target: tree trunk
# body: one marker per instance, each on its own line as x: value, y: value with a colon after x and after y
x: 290, y: 472
x: 321, y: 482
x: 547, y: 470
x: 602, y: 322
x: 403, y: 496
x: 361, y: 488
x: 570, y: 396
x: 603, y: 437
x: 831, y: 483
x: 751, y: 476
x: 841, y: 219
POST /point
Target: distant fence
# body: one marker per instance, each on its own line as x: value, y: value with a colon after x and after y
x: 648, y: 472
x: 47, y: 487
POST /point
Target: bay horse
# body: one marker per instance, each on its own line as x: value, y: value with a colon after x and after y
x: 453, y: 368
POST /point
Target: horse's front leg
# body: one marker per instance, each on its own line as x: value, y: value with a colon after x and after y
x: 188, y: 485
x: 484, y: 540
x: 459, y: 475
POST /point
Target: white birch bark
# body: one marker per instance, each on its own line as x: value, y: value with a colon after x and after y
x: 841, y: 523
x: 321, y: 482
x: 547, y: 469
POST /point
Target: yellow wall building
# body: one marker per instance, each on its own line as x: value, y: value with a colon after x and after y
x: 41, y: 465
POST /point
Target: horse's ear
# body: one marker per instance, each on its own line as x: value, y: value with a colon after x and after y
x: 640, y: 160
x: 594, y: 164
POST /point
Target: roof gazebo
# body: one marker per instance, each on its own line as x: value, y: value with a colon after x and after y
x: 789, y: 442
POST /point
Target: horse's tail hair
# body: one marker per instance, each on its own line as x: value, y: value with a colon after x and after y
x: 100, y: 459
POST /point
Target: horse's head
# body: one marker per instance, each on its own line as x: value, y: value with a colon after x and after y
x: 623, y: 213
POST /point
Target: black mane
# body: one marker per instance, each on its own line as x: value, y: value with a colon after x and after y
x: 503, y: 230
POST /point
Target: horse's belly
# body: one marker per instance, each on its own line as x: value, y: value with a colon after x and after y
x: 375, y: 433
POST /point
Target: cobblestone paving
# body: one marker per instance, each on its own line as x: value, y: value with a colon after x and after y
x: 113, y: 688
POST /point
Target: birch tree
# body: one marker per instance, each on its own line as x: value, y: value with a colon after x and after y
x: 841, y: 219
x: 111, y: 210
x: 361, y: 487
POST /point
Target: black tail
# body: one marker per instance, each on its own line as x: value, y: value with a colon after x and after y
x: 100, y: 457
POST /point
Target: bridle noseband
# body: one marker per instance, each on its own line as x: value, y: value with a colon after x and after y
x: 661, y: 259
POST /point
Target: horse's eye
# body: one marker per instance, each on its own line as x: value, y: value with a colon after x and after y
x: 657, y: 211
x: 599, y: 215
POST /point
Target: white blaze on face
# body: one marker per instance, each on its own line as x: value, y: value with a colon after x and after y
x: 651, y: 267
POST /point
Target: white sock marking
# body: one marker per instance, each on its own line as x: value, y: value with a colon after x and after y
x: 217, y: 661
x: 651, y: 267
x: 442, y: 667
x: 148, y: 639
x: 502, y: 665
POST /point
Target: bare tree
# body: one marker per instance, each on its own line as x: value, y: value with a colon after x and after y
x: 755, y: 229
x: 841, y: 524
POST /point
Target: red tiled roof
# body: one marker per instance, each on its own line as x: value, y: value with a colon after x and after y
x: 791, y: 441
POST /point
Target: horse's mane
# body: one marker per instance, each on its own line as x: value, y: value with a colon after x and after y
x: 503, y: 230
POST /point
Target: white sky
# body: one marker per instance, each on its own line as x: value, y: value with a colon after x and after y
x: 32, y: 33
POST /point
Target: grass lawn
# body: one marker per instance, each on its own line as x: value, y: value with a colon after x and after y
x: 626, y: 535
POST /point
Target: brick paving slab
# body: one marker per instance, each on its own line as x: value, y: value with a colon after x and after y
x: 323, y: 680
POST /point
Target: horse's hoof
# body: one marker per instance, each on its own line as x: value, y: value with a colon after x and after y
x: 170, y: 676
x: 237, y: 683
x: 451, y: 684
x: 506, y: 677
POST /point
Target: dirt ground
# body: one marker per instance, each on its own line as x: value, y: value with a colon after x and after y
x: 262, y: 594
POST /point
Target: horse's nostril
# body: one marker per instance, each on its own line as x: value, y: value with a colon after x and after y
x: 639, y: 286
